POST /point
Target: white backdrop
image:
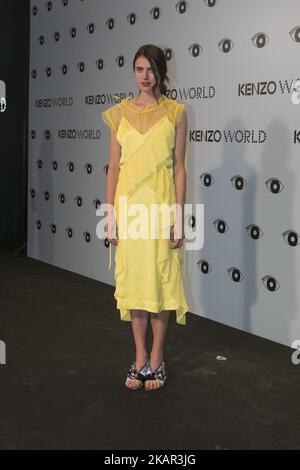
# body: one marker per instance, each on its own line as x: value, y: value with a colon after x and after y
x: 233, y: 63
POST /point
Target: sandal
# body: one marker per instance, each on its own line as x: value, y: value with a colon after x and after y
x: 133, y: 373
x: 159, y: 374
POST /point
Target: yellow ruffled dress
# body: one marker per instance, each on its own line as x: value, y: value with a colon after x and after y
x: 148, y: 272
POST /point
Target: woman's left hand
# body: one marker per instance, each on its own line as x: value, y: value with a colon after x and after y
x: 176, y: 237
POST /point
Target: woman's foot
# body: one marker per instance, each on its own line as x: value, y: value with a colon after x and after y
x: 156, y: 376
x: 136, y: 374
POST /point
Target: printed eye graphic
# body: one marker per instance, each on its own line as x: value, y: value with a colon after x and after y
x: 80, y: 66
x: 79, y: 201
x: 62, y: 198
x: 53, y: 228
x: 87, y: 237
x: 210, y: 3
x: 207, y: 179
x: 292, y: 238
x: 69, y: 232
x: 120, y: 60
x: 39, y: 163
x: 195, y: 49
x: 100, y: 64
x: 155, y: 13
x: 191, y: 221
x: 71, y: 166
x: 168, y: 53
x: 235, y: 274
x: 181, y: 7
x: 254, y: 231
x: 270, y: 283
x: 96, y: 203
x: 88, y: 168
x: 110, y: 23
x: 225, y: 45
x: 274, y: 185
x: 295, y: 34
x: 132, y: 18
x: 91, y: 28
x: 204, y: 266
x: 72, y: 32
x: 260, y: 40
x: 238, y: 182
x: 221, y: 225
x: 64, y: 69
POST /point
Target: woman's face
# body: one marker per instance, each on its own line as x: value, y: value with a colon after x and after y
x: 144, y: 75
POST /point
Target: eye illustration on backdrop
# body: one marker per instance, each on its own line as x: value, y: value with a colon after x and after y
x: 254, y: 231
x: 206, y: 179
x: 182, y: 6
x: 260, y: 40
x: 295, y: 34
x: 221, y: 225
x: 155, y: 13
x: 235, y: 274
x: 204, y: 266
x: 291, y: 237
x: 195, y: 49
x: 270, y: 283
x: 225, y: 45
x: 274, y: 185
x: 238, y: 182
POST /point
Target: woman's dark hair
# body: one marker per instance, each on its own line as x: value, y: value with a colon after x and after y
x: 157, y: 60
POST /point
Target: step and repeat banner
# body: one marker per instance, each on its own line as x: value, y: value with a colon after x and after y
x: 235, y: 64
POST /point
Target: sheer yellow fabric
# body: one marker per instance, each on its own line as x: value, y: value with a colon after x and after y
x: 142, y: 119
x: 148, y: 272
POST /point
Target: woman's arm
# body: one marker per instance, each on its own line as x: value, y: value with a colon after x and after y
x: 111, y: 181
x: 113, y: 168
x: 179, y: 170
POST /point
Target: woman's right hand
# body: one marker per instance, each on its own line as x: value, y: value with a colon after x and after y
x: 111, y: 230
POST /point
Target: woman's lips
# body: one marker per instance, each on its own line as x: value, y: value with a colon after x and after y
x: 145, y: 83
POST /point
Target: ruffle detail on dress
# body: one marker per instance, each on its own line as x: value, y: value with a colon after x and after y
x: 143, y: 162
x: 170, y: 265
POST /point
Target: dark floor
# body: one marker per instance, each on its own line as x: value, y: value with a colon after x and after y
x: 68, y: 353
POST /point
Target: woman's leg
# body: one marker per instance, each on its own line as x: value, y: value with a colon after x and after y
x: 139, y: 323
x: 159, y: 324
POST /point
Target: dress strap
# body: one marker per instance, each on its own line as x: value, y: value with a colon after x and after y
x: 109, y: 265
x: 184, y: 261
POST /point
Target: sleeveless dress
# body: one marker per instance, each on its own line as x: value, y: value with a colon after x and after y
x: 148, y: 273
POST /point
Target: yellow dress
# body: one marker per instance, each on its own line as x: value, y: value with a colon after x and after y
x: 148, y: 272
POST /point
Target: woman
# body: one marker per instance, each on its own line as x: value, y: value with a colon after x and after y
x: 147, y: 166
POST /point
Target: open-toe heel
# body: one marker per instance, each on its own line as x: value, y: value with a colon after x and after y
x: 140, y: 375
x: 160, y: 374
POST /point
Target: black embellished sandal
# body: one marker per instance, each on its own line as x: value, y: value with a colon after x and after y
x: 140, y: 375
x: 160, y: 374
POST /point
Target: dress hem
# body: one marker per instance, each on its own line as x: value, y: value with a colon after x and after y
x: 125, y: 305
